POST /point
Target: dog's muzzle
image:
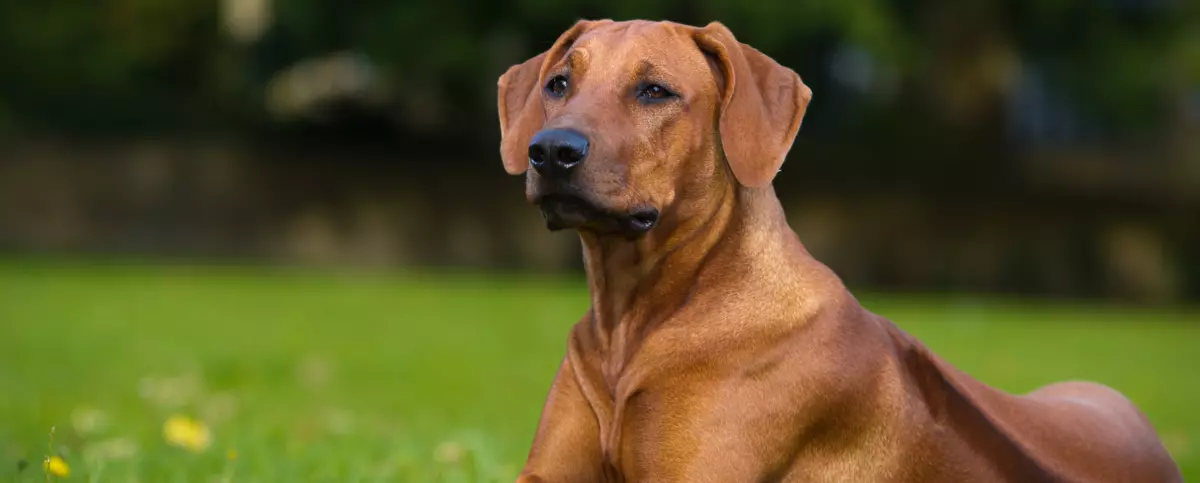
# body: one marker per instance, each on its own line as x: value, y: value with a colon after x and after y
x: 569, y: 211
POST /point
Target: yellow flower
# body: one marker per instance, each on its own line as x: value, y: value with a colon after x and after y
x: 231, y: 455
x: 56, y: 466
x: 187, y: 433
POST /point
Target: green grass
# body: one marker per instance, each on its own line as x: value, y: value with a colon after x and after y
x: 314, y: 376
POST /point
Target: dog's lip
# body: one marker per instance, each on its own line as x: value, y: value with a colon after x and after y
x: 565, y: 210
x: 568, y: 210
x: 561, y: 198
x: 643, y: 219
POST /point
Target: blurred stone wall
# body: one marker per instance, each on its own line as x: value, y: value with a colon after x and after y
x: 214, y: 200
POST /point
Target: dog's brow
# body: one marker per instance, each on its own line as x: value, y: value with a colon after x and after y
x: 577, y: 58
x: 647, y: 69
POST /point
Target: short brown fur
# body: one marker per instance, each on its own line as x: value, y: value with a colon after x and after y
x: 716, y: 349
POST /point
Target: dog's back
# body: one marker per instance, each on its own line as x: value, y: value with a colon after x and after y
x: 1069, y: 431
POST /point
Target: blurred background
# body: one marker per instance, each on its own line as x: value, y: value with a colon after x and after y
x: 1044, y: 147
x: 186, y: 185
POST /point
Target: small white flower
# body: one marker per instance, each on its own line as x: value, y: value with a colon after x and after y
x: 88, y: 421
x: 449, y: 452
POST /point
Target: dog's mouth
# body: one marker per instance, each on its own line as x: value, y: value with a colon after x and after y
x: 567, y: 211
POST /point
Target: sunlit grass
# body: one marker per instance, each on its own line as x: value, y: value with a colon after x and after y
x: 229, y: 374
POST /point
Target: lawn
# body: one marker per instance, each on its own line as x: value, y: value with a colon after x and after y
x: 293, y: 375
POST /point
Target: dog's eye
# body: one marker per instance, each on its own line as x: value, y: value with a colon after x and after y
x: 557, y: 86
x: 654, y: 92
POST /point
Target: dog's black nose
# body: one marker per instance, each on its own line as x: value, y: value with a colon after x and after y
x: 556, y: 151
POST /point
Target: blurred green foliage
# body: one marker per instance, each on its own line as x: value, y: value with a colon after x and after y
x: 137, y: 66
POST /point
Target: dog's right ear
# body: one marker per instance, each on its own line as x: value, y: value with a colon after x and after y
x: 520, y: 100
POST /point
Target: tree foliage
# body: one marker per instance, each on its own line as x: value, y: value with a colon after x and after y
x: 145, y: 66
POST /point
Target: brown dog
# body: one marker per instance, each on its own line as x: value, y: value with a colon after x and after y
x: 716, y: 348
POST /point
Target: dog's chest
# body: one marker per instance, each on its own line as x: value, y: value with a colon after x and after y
x: 636, y: 432
x: 686, y: 419
x: 645, y: 415
x: 665, y: 433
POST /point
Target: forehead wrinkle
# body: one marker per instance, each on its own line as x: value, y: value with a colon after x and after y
x: 577, y: 58
x: 639, y: 51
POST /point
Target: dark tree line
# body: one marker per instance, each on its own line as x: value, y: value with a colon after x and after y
x: 131, y: 67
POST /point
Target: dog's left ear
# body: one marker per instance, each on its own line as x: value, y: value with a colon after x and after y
x: 519, y: 99
x: 762, y: 105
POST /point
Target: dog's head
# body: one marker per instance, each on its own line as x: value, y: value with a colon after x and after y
x: 618, y: 123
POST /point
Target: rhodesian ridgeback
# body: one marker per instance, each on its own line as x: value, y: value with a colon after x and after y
x: 716, y: 348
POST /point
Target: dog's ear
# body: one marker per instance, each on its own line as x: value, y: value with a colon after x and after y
x: 519, y: 99
x: 762, y: 104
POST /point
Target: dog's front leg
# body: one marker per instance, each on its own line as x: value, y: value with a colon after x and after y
x: 566, y: 447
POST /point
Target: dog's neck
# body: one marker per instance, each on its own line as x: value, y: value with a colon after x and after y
x: 636, y: 285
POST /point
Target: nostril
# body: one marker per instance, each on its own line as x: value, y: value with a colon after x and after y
x: 537, y: 155
x: 568, y: 155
